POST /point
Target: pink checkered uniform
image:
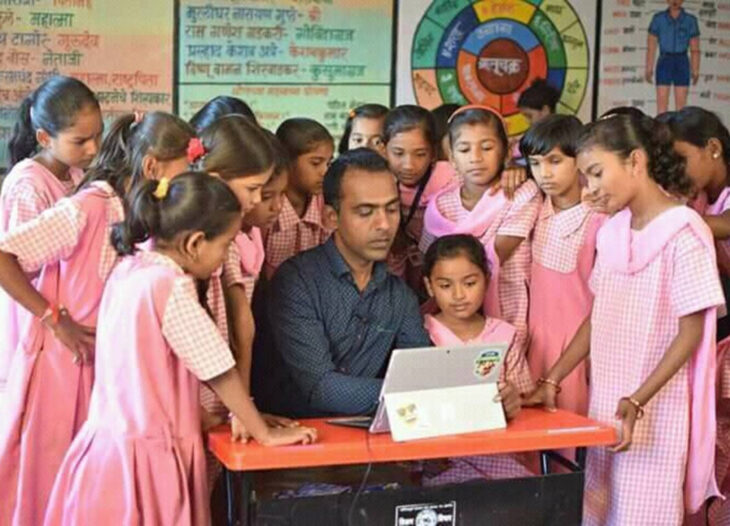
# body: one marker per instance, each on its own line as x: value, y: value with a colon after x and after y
x: 27, y: 190
x: 140, y: 457
x: 494, y: 216
x: 563, y: 252
x: 643, y: 283
x: 291, y: 234
x: 47, y: 395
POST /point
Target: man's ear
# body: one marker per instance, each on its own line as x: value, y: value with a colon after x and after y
x: 331, y: 218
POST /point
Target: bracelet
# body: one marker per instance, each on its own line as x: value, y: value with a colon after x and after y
x: 548, y: 381
x: 53, y: 312
x: 637, y: 405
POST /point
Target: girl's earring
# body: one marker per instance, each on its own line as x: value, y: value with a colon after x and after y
x: 715, y: 155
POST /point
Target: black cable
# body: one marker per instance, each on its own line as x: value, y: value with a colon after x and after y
x: 363, y: 483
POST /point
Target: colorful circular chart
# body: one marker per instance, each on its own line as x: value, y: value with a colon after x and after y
x: 489, y: 51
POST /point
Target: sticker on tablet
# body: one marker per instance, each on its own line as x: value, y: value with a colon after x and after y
x: 485, y: 362
x: 408, y: 413
x: 443, y: 514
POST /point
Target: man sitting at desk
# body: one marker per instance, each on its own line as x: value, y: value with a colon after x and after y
x: 335, y: 312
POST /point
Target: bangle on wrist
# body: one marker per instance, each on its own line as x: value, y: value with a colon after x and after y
x: 637, y: 405
x: 52, y: 312
x: 553, y: 383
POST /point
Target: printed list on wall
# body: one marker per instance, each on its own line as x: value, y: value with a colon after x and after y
x: 286, y: 58
x: 624, y: 32
x: 96, y: 41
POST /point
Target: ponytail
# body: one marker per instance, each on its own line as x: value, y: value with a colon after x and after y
x: 23, y: 142
x: 130, y: 139
x: 191, y: 202
x: 142, y: 219
x: 624, y: 133
x: 52, y: 107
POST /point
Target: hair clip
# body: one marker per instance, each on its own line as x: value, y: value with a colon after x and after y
x: 138, y: 116
x: 195, y: 150
x: 482, y: 107
x: 163, y: 185
x: 352, y: 113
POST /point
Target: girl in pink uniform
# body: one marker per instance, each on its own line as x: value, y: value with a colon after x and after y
x: 300, y: 225
x: 704, y: 142
x: 139, y: 457
x: 240, y: 153
x: 479, y: 152
x: 410, y: 148
x: 456, y: 276
x: 55, y: 138
x: 651, y: 332
x: 69, y: 248
x: 563, y: 251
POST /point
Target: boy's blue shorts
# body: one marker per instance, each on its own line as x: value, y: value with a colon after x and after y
x: 672, y: 68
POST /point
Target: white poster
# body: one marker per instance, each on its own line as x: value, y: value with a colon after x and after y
x: 489, y: 51
x: 624, y: 32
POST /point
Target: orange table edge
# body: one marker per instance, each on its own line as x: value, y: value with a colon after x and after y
x: 532, y: 430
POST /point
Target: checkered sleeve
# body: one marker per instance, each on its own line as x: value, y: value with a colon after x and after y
x: 192, y: 334
x: 695, y: 284
x: 24, y: 203
x: 50, y: 236
x: 522, y: 214
x: 232, y: 273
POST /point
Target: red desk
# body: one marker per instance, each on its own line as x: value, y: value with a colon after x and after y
x: 533, y: 430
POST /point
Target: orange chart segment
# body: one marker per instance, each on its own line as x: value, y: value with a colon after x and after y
x: 470, y: 84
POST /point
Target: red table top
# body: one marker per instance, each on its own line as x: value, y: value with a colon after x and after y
x: 532, y: 430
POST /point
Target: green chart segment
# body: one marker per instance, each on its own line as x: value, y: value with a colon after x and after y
x: 488, y: 52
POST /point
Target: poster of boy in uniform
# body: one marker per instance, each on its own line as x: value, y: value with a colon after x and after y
x: 675, y: 31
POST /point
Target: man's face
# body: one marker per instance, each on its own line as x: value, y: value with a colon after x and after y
x: 369, y: 213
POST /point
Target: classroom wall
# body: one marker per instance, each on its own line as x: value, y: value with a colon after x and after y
x: 319, y: 58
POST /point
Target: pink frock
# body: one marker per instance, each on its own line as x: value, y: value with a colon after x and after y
x: 720, y: 515
x: 291, y: 234
x: 494, y: 216
x: 405, y: 259
x: 139, y: 458
x: 563, y: 252
x: 460, y: 469
x: 47, y: 395
x: 643, y: 282
x: 27, y: 190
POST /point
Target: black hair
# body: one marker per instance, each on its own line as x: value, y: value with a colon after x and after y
x: 409, y: 117
x: 447, y: 247
x: 235, y: 147
x: 624, y: 133
x: 360, y: 159
x: 406, y: 118
x: 195, y: 201
x: 441, y: 116
x: 697, y: 126
x: 281, y: 157
x: 218, y: 107
x: 624, y: 110
x: 539, y: 94
x: 554, y: 131
x: 300, y: 136
x: 162, y: 135
x: 473, y: 116
x: 366, y: 111
x: 53, y: 107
